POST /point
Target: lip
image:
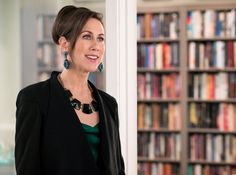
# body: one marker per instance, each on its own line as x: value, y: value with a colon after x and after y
x: 92, y: 56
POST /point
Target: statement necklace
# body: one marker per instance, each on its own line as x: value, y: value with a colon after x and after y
x: 76, y: 104
x: 86, y: 108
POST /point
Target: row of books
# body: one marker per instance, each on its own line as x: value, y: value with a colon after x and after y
x: 149, y: 168
x: 159, y: 145
x: 44, y: 24
x: 162, y: 115
x: 157, y: 25
x: 212, y: 147
x: 220, y: 116
x: 49, y: 56
x: 158, y: 56
x: 154, y: 86
x: 215, y: 54
x: 210, y: 86
x: 211, y: 170
x: 211, y: 23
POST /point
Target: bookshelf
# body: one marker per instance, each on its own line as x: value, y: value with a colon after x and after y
x: 39, y: 54
x: 187, y: 101
x: 159, y: 91
x: 211, y: 75
x: 48, y: 54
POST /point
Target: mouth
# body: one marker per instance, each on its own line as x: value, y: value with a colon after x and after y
x: 92, y: 57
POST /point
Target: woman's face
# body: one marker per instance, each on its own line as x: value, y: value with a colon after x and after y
x: 89, y: 47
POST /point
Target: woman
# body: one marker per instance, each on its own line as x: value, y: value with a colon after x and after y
x: 65, y: 125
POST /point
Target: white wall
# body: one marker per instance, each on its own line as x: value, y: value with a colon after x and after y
x: 121, y: 73
x: 38, y: 4
x: 97, y: 5
x: 10, y: 59
x: 9, y: 72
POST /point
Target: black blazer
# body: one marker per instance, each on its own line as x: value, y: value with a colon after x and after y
x: 50, y: 139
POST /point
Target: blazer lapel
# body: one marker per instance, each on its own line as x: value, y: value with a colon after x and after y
x: 104, y: 131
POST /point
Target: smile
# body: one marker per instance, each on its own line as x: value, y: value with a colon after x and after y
x: 93, y: 57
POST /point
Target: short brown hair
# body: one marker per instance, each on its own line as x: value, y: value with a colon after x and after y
x: 70, y: 21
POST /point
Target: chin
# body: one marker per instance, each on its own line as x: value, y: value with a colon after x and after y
x: 93, y: 69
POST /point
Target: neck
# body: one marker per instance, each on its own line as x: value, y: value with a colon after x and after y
x: 77, y: 83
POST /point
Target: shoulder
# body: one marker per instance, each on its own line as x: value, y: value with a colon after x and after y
x: 110, y: 105
x: 107, y: 98
x: 34, y: 92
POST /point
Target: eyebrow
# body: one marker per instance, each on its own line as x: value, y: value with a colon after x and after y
x: 101, y: 34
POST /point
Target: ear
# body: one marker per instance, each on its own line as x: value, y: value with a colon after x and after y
x: 63, y: 43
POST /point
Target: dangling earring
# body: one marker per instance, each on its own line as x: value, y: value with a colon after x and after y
x: 100, y: 67
x: 66, y: 61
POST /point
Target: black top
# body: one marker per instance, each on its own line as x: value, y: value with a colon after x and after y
x: 50, y: 139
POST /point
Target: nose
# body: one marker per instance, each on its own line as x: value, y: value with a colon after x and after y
x: 95, y: 45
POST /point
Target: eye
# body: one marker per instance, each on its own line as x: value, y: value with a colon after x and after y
x: 101, y: 39
x: 87, y: 37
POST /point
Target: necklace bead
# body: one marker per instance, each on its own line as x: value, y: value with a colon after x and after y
x: 86, y: 108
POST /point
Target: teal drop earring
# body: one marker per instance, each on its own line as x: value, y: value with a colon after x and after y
x: 100, y: 67
x: 66, y: 61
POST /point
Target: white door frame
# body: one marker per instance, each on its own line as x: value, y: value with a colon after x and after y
x: 121, y: 69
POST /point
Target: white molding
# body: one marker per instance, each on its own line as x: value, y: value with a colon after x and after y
x: 121, y: 72
x: 87, y: 1
x: 131, y: 85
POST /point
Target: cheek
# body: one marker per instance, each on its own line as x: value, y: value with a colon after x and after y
x: 102, y: 49
x: 80, y: 50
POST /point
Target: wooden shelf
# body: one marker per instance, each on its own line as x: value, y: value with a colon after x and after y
x: 169, y: 70
x: 156, y: 40
x: 212, y: 39
x: 231, y: 100
x: 158, y: 100
x: 211, y: 162
x: 209, y: 131
x: 156, y: 10
x: 46, y: 41
x: 159, y: 160
x: 213, y: 70
x: 159, y: 130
